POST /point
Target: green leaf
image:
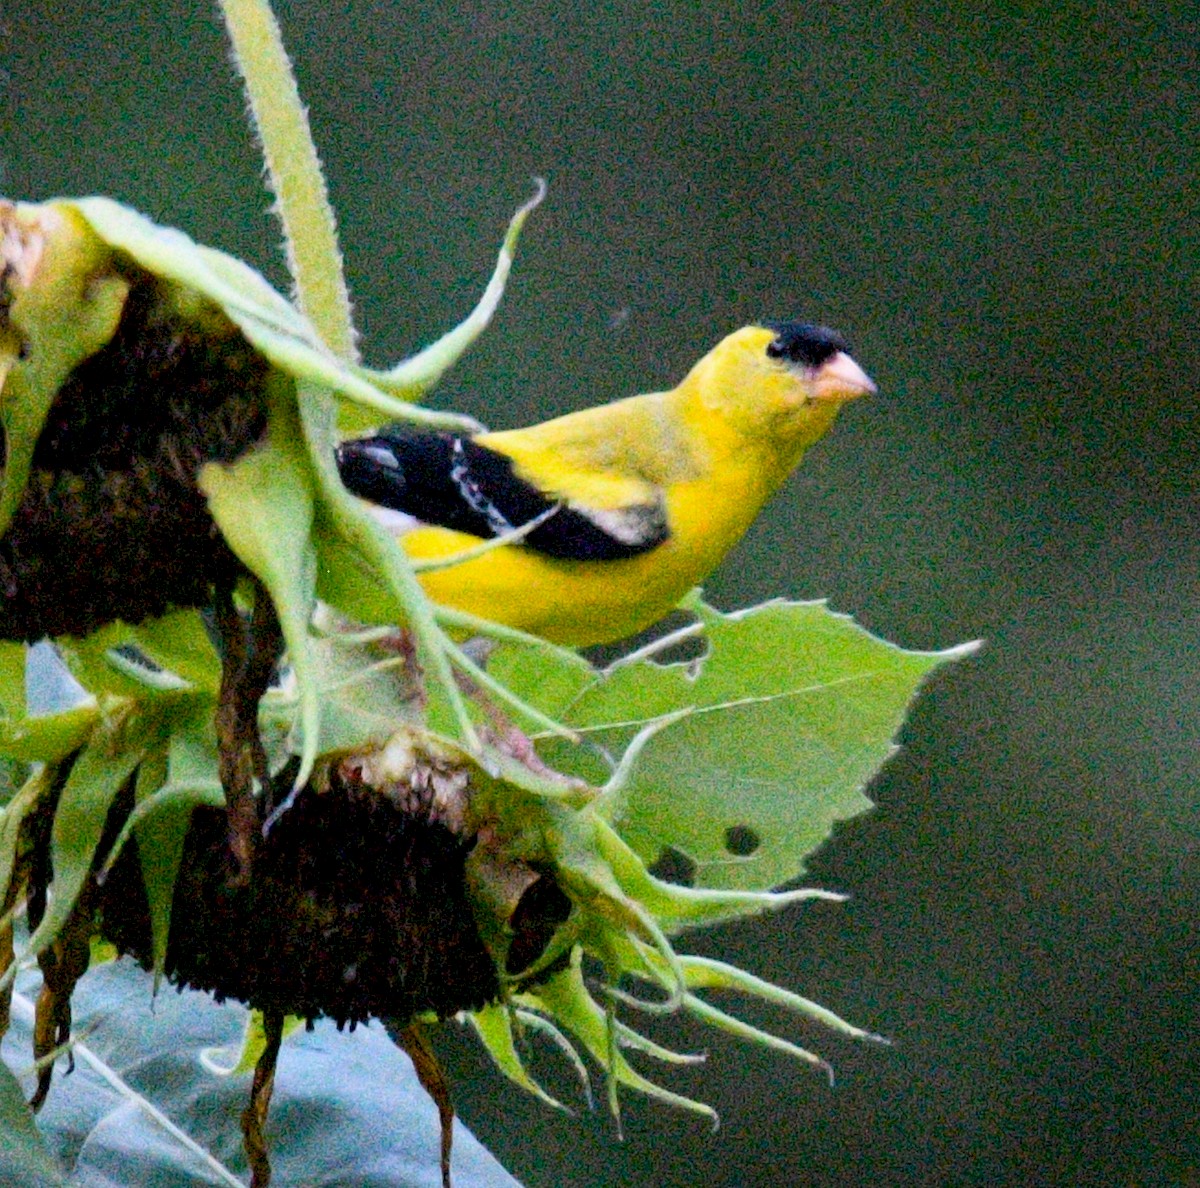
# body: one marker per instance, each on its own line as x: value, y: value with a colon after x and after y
x: 90, y: 663
x: 25, y: 801
x: 25, y: 1160
x: 270, y: 322
x: 493, y: 1026
x: 192, y: 758
x: 608, y: 914
x: 358, y: 539
x: 94, y: 781
x: 179, y: 643
x: 546, y: 675
x: 794, y: 710
x: 565, y: 998
x: 160, y: 838
x: 13, y: 774
x: 263, y: 504
x: 48, y: 737
x: 65, y: 303
x: 45, y: 737
x: 708, y: 974
x: 347, y: 580
x: 12, y: 679
x: 368, y: 692
x: 675, y: 907
x: 169, y: 253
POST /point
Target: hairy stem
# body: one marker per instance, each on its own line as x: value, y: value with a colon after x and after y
x: 309, y: 227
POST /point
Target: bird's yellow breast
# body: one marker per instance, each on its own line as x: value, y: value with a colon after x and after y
x: 585, y: 602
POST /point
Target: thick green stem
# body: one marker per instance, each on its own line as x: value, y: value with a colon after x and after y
x: 309, y: 227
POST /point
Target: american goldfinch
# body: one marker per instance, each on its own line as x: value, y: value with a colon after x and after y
x: 635, y: 502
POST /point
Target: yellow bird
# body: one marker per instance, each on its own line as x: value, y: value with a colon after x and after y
x: 636, y: 501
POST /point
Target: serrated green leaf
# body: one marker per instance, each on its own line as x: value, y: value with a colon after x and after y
x: 795, y: 708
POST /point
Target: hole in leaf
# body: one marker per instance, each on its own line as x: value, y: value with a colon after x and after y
x: 741, y: 841
x: 673, y: 866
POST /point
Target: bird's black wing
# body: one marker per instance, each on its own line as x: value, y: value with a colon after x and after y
x: 451, y: 481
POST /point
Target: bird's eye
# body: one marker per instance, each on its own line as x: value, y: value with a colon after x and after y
x: 802, y: 342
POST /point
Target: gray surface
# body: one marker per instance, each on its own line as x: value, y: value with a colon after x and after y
x: 347, y: 1110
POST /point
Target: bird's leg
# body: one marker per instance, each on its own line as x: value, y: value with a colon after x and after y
x: 249, y: 657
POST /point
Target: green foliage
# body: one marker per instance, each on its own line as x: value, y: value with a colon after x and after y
x: 767, y: 678
x: 281, y: 506
x: 786, y: 718
x: 770, y: 734
x: 740, y: 761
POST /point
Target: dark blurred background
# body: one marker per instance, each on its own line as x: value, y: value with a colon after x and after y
x: 1000, y: 210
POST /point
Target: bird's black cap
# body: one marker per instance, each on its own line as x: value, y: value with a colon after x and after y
x: 804, y: 343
